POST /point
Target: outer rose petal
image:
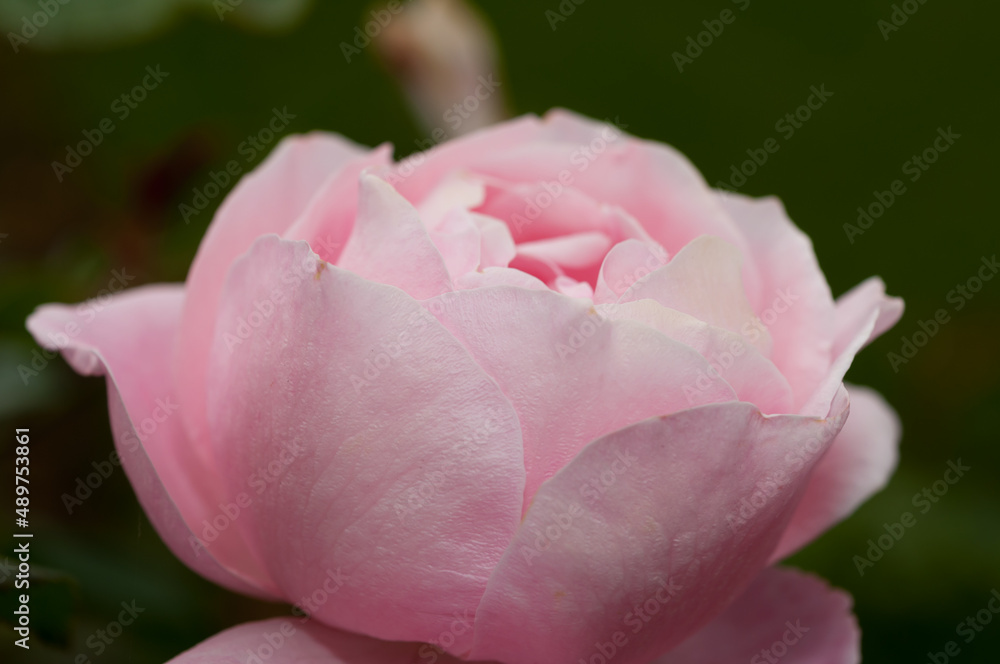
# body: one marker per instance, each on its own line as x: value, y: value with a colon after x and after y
x: 267, y: 200
x: 854, y: 307
x: 862, y: 314
x: 781, y: 606
x: 786, y: 262
x: 289, y: 641
x: 858, y: 464
x: 130, y: 341
x: 382, y: 453
x: 637, y: 511
x: 571, y: 375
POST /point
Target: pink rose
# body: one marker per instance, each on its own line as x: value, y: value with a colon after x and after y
x: 536, y: 395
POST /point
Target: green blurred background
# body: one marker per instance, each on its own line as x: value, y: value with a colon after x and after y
x: 60, y: 241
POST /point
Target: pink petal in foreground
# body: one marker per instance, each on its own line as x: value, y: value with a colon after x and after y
x: 267, y: 200
x: 794, y: 299
x: 854, y: 306
x: 393, y: 463
x: 641, y: 535
x: 861, y: 315
x: 299, y: 641
x: 783, y: 616
x: 571, y: 375
x: 129, y: 340
x: 859, y: 463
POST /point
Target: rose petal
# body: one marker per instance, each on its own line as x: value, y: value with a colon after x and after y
x: 499, y: 276
x: 855, y: 306
x: 459, y: 241
x: 266, y: 200
x: 541, y: 268
x: 574, y: 288
x: 571, y: 375
x: 129, y: 340
x: 704, y: 280
x: 651, y: 181
x: 576, y: 251
x: 793, y: 288
x: 734, y: 360
x: 564, y: 126
x: 784, y: 616
x: 292, y: 641
x: 642, y: 520
x: 327, y: 222
x: 625, y: 264
x: 857, y: 465
x: 578, y: 255
x: 497, y: 248
x: 418, y: 175
x: 389, y: 458
x: 548, y: 210
x: 390, y: 245
x: 460, y: 191
x: 861, y: 314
